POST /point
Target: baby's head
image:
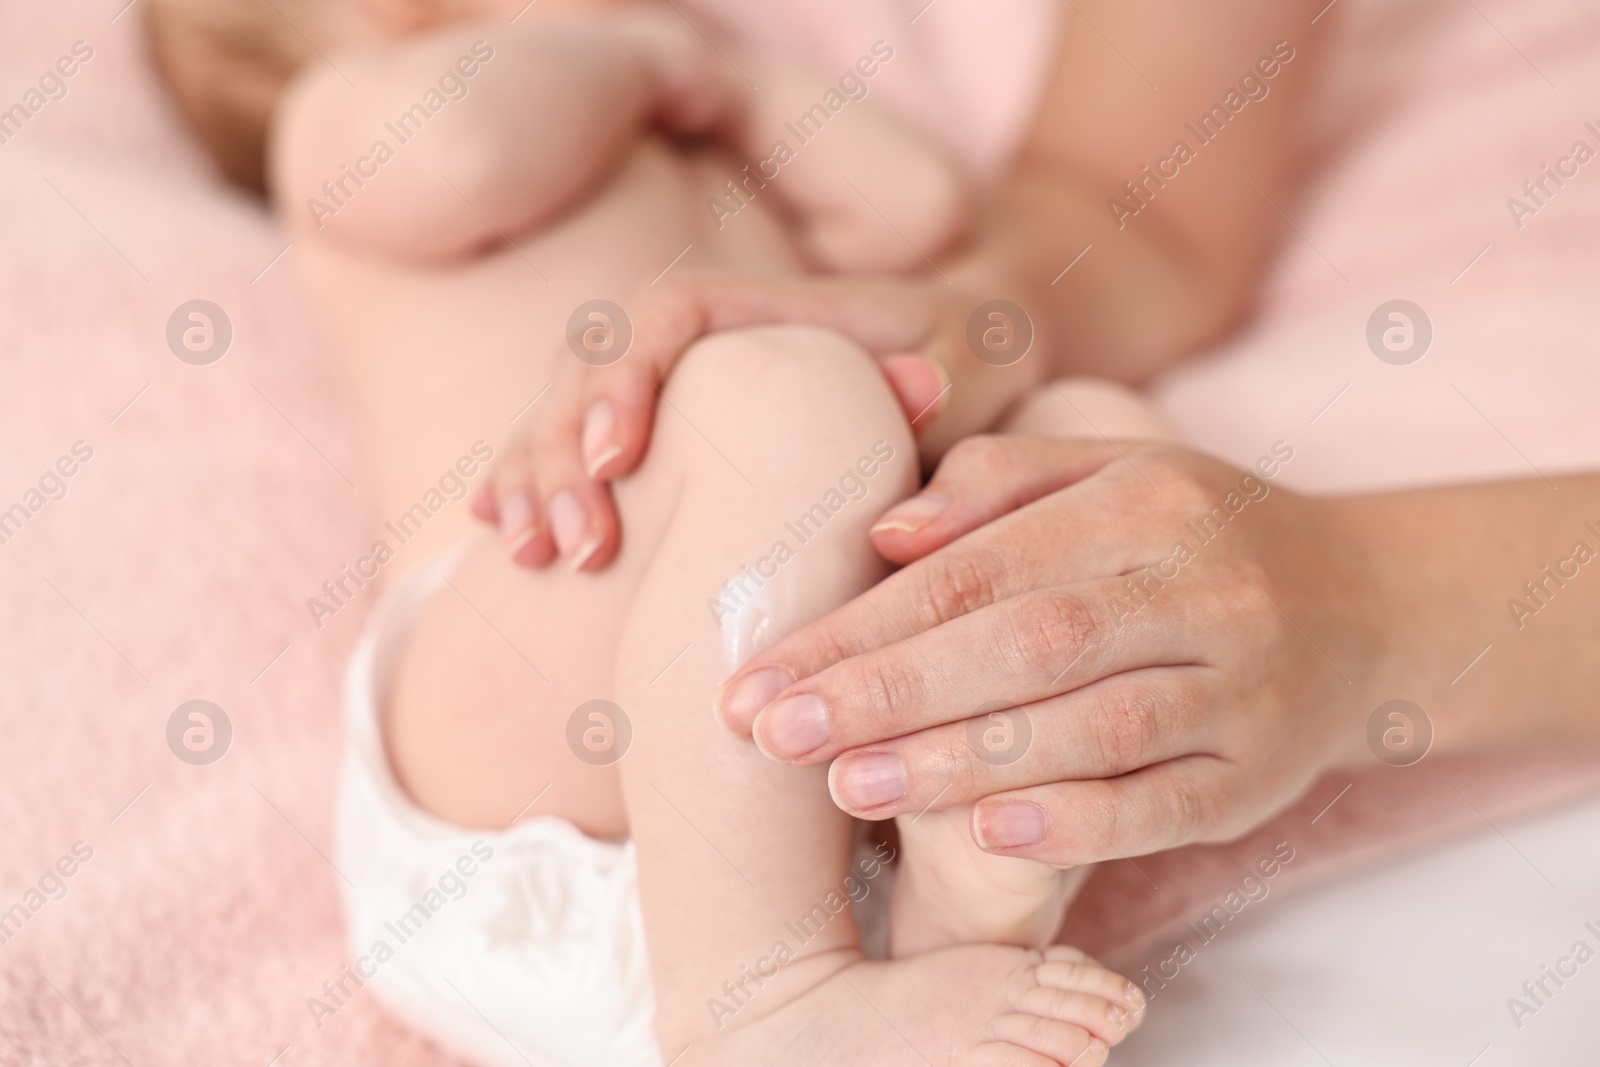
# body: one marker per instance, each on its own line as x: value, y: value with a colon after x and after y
x: 228, y: 61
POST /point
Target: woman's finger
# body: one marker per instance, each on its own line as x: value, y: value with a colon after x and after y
x: 947, y: 584
x: 620, y: 398
x: 1032, y: 646
x: 920, y: 384
x: 1071, y: 823
x: 1011, y: 555
x: 513, y: 496
x: 577, y: 510
x: 980, y: 479
x: 618, y: 419
x: 1105, y: 729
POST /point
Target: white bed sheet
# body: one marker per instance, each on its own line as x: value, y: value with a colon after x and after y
x: 1410, y: 965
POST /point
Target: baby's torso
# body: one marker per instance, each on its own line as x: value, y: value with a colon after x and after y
x: 463, y: 330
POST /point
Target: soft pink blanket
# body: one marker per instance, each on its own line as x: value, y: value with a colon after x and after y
x: 175, y: 567
x: 161, y: 912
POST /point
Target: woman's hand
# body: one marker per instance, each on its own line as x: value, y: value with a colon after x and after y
x: 1112, y: 649
x: 549, y: 492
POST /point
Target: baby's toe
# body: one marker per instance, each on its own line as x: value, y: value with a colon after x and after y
x: 1108, y: 1020
x: 1062, y: 1043
x: 1072, y: 983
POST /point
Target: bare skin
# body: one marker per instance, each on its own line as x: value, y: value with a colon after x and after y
x: 1195, y: 711
x: 1180, y: 264
x: 459, y: 730
x: 1191, y: 282
x: 952, y: 891
x: 1170, y: 272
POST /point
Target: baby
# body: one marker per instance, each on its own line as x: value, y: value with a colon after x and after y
x: 458, y: 176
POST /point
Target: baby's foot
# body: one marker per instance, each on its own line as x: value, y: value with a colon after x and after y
x: 948, y: 891
x: 974, y: 1004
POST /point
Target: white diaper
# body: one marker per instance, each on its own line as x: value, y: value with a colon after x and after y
x: 509, y: 947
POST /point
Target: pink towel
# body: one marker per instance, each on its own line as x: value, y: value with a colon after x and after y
x: 176, y: 564
x: 175, y: 567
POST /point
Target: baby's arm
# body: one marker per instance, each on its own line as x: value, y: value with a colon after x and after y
x: 436, y: 146
x: 865, y: 191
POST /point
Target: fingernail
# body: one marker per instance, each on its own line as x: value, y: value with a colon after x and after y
x: 1010, y: 825
x: 941, y: 400
x: 921, y: 383
x: 569, y: 524
x: 516, y: 521
x: 944, y: 381
x: 742, y: 699
x: 909, y: 516
x: 599, y: 438
x: 869, y: 781
x: 585, y: 550
x: 1133, y: 995
x: 794, y: 726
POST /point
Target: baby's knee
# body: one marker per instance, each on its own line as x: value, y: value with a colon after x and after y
x: 803, y: 365
x: 810, y: 393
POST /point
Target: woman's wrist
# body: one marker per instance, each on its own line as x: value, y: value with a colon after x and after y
x: 1376, y: 591
x: 1437, y: 595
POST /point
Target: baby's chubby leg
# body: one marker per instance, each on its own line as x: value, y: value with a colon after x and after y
x: 439, y: 146
x: 781, y: 447
x: 784, y: 446
x: 775, y: 451
x: 948, y: 890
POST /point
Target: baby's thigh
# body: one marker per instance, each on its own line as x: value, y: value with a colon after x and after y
x: 1090, y: 408
x: 440, y: 357
x: 777, y: 450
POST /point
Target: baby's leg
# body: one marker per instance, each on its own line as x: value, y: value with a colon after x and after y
x: 948, y: 890
x: 437, y: 360
x: 776, y: 450
x: 781, y: 447
x: 477, y: 720
x: 786, y: 447
x: 540, y: 115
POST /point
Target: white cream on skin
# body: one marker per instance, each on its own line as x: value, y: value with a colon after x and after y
x: 752, y: 624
